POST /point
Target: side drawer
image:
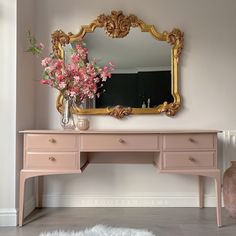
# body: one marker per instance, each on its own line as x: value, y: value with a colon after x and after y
x: 188, y: 141
x: 51, y: 160
x: 51, y: 142
x: 119, y: 142
x: 189, y: 160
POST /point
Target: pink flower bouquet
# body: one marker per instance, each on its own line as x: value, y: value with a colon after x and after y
x: 80, y: 79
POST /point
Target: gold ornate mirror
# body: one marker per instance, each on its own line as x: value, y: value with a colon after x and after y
x: 145, y: 80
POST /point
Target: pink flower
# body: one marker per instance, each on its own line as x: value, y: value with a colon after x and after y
x: 50, y: 83
x: 111, y: 64
x: 75, y: 58
x: 58, y: 64
x: 44, y: 81
x: 96, y: 80
x: 62, y: 85
x: 90, y: 70
x: 41, y: 45
x: 78, y: 47
x: 82, y: 51
x: 49, y: 68
x: 60, y: 78
x: 72, y: 69
x: 72, y: 93
x: 91, y: 95
x: 77, y: 79
x: 105, y: 75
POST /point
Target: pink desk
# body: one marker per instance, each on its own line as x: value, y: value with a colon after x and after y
x: 49, y: 152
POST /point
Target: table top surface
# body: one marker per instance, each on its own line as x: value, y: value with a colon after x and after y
x: 170, y: 131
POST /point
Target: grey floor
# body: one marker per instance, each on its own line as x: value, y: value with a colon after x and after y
x: 161, y: 221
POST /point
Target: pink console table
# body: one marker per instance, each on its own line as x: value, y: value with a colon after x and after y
x: 49, y: 152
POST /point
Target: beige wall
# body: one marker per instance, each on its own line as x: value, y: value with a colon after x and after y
x: 207, y: 88
x: 207, y: 64
x: 25, y: 96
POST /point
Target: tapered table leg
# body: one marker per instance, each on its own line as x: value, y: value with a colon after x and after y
x: 21, y: 198
x: 201, y: 191
x: 218, y: 199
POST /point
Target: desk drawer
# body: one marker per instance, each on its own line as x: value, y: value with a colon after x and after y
x: 51, y: 160
x: 52, y: 142
x: 188, y: 160
x: 188, y: 141
x: 119, y: 142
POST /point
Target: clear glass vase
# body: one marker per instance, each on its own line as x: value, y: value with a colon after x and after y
x: 67, y: 120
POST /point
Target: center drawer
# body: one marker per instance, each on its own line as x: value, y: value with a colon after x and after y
x: 119, y: 142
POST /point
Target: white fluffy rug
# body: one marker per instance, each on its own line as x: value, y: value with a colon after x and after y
x: 101, y: 230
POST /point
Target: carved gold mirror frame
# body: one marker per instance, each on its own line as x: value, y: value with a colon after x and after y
x: 117, y: 25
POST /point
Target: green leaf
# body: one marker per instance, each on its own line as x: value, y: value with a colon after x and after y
x: 33, y: 48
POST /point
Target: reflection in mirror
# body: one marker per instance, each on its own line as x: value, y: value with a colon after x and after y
x: 142, y: 75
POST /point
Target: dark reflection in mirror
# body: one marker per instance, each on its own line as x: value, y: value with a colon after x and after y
x: 146, y: 89
x: 142, y: 76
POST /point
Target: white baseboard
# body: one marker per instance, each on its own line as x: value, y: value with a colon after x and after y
x: 8, y: 217
x: 125, y: 201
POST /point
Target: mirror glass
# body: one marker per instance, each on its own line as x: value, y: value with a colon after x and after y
x: 142, y: 75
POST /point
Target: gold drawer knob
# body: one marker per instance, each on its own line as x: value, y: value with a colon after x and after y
x: 52, y: 158
x: 192, y: 159
x: 52, y: 140
x: 121, y: 140
x: 191, y: 140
